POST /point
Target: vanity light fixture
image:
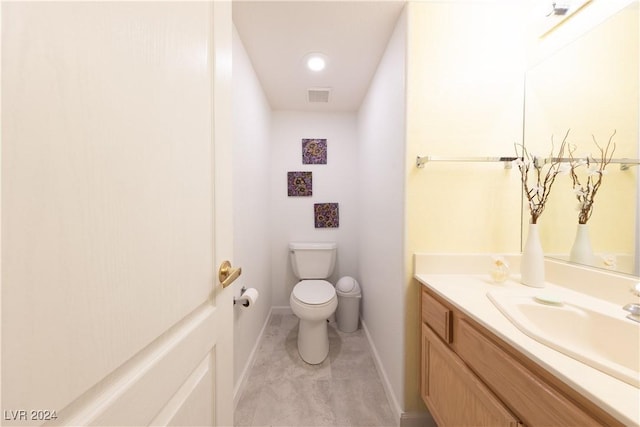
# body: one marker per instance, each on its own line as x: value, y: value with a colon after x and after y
x: 556, y: 12
x: 559, y: 8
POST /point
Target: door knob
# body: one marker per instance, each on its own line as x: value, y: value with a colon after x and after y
x: 227, y: 274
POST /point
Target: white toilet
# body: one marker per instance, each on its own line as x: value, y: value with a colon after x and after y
x: 313, y: 299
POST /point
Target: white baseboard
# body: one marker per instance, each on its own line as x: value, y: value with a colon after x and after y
x: 237, y: 390
x: 391, y: 397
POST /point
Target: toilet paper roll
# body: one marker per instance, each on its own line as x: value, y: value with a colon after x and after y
x: 248, y: 298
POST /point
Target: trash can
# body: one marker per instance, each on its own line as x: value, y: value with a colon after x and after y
x: 348, y: 312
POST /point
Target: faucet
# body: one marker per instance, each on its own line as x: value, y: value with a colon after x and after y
x: 633, y: 308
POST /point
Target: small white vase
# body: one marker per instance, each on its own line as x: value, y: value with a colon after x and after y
x: 532, y: 262
x: 581, y: 251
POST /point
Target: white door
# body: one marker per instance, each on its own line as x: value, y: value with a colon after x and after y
x: 115, y: 130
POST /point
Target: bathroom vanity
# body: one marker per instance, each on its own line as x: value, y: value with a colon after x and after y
x: 478, y: 368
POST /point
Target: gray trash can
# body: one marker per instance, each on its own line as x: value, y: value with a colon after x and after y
x: 348, y: 312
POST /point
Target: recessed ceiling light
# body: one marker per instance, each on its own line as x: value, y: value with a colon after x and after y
x: 316, y: 62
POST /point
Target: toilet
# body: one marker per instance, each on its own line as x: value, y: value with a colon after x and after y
x: 313, y: 299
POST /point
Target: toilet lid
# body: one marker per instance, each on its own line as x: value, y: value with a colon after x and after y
x: 314, y: 291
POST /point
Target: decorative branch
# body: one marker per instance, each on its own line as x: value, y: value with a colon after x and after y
x: 586, y: 193
x: 544, y: 175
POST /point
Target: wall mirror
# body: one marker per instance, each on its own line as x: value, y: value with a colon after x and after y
x: 590, y: 86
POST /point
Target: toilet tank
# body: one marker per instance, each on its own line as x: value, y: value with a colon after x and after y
x: 313, y: 260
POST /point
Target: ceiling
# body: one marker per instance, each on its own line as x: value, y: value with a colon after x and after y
x: 351, y: 34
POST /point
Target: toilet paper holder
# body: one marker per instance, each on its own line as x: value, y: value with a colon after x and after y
x: 247, y: 298
x: 242, y: 291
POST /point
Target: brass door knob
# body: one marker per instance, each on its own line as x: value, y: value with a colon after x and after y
x: 227, y: 274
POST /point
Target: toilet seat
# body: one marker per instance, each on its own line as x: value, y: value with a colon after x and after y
x: 314, y: 292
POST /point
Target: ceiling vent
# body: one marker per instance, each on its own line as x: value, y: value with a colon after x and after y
x: 318, y: 94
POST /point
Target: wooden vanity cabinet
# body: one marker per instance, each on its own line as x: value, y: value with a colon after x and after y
x: 470, y: 377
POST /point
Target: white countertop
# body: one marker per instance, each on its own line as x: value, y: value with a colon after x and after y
x: 467, y: 292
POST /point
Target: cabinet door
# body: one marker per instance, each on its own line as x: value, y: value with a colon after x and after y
x: 454, y: 396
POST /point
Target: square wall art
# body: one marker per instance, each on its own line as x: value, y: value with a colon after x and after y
x: 326, y: 215
x: 299, y: 184
x: 314, y: 151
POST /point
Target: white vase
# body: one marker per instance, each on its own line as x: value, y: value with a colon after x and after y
x: 532, y: 262
x: 581, y: 251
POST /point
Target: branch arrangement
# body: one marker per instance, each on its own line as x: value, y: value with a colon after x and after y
x: 585, y: 193
x: 544, y: 175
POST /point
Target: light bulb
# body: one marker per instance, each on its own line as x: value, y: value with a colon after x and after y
x: 316, y: 63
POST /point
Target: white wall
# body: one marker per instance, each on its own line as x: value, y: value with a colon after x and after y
x: 251, y: 124
x: 381, y: 152
x: 292, y: 218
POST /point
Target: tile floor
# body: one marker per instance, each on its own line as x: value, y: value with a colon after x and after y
x: 282, y: 390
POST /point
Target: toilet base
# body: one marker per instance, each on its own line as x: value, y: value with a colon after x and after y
x: 313, y: 341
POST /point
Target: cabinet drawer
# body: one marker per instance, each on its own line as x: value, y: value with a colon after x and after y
x: 437, y: 316
x: 531, y: 399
